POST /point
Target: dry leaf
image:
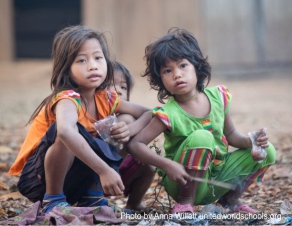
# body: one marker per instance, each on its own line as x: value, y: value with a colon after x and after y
x: 13, y: 195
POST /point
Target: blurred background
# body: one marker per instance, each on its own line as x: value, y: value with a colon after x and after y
x: 236, y: 35
x: 248, y: 44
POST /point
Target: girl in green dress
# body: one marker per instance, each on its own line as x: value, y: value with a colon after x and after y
x: 198, y: 129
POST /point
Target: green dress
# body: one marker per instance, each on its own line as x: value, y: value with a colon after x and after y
x: 199, y: 143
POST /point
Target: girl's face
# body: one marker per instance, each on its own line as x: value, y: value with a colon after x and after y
x: 89, y: 69
x: 120, y: 85
x: 179, y: 78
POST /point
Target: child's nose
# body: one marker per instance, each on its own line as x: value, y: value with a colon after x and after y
x: 92, y: 65
x: 177, y: 74
x: 119, y: 92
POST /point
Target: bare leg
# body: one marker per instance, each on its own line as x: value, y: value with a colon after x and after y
x: 140, y: 182
x: 187, y: 193
x: 58, y: 161
x: 231, y: 198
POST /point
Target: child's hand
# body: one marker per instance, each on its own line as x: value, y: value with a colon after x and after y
x: 262, y: 139
x: 176, y: 172
x: 120, y: 132
x: 111, y: 182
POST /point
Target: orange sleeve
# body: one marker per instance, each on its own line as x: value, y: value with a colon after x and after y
x: 114, y: 101
x: 108, y: 102
x: 38, y: 129
x: 68, y: 94
x: 35, y: 133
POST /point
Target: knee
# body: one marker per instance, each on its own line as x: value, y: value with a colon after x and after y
x: 58, y: 145
x: 149, y: 171
x: 200, y: 139
x: 271, y: 154
x: 126, y: 118
x: 196, y: 159
x: 198, y: 151
x: 58, y: 150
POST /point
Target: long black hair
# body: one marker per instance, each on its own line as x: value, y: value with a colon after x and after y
x: 176, y: 45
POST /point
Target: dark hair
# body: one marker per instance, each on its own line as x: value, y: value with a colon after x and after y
x: 66, y: 46
x: 118, y: 66
x: 176, y: 45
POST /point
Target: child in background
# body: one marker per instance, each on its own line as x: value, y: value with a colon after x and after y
x: 62, y: 161
x: 123, y: 81
x: 137, y: 177
x: 197, y: 127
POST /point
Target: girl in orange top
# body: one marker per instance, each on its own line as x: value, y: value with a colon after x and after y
x: 61, y: 156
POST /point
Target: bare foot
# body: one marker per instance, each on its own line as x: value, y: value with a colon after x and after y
x: 140, y: 207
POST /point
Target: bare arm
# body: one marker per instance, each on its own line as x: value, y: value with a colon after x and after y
x: 139, y: 149
x: 130, y: 108
x: 134, y: 126
x: 236, y: 139
x: 140, y: 123
x: 141, y: 117
x: 67, y: 131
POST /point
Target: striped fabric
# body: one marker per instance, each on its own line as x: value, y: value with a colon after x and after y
x: 207, y: 124
x: 258, y: 175
x: 223, y: 138
x: 196, y: 159
x: 219, y: 154
x: 112, y: 100
x: 225, y: 95
x: 68, y: 94
x: 160, y: 113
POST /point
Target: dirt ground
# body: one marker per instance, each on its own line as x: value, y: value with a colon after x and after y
x: 258, y: 101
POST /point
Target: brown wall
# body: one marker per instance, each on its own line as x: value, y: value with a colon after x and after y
x: 236, y: 35
x: 134, y: 24
x: 248, y: 31
x: 6, y: 31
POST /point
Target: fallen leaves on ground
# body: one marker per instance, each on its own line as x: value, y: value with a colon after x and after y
x: 267, y: 196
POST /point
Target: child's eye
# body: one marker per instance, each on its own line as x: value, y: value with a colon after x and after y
x: 183, y: 65
x: 98, y: 57
x: 81, y: 61
x: 166, y: 71
x: 124, y: 88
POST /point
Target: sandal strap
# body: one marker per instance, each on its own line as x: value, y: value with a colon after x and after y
x: 244, y: 208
